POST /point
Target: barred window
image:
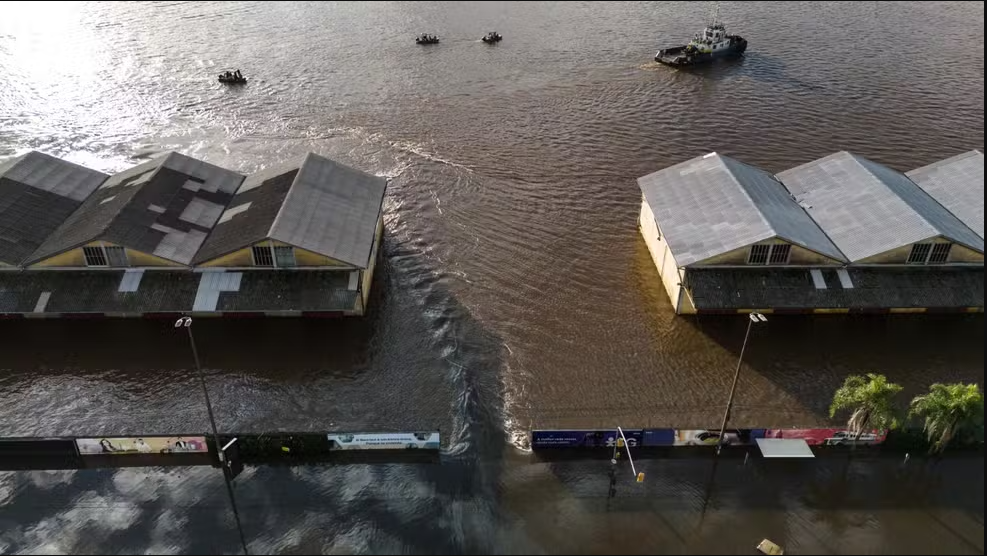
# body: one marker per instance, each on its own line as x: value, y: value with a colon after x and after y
x: 759, y: 254
x: 262, y: 255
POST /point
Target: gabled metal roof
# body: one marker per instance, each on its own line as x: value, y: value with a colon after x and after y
x: 714, y: 204
x: 868, y: 209
x: 957, y: 183
x: 165, y: 207
x: 331, y: 209
x: 319, y: 205
x: 37, y: 193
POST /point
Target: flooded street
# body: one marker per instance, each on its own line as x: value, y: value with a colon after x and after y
x: 513, y: 289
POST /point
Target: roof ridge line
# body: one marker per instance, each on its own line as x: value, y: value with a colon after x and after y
x: 818, y: 226
x: 760, y: 213
x: 857, y: 160
x: 284, y: 202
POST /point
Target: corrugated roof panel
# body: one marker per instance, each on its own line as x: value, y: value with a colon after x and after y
x: 788, y: 219
x: 38, y: 193
x: 331, y: 209
x: 713, y: 204
x: 147, y: 208
x: 866, y: 208
x: 201, y: 212
x: 925, y: 206
x: 957, y: 183
x: 55, y: 175
x: 249, y: 217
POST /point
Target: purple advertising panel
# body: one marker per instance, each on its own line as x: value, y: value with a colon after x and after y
x: 583, y: 438
x: 643, y: 437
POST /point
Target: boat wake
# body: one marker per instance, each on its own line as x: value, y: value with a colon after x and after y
x: 409, y: 147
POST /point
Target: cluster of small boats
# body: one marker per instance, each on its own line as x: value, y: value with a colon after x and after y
x: 489, y: 38
x: 712, y: 43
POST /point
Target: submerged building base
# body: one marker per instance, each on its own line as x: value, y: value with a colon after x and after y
x: 852, y: 290
x: 150, y: 293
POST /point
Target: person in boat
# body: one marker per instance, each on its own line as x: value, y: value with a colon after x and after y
x: 237, y: 74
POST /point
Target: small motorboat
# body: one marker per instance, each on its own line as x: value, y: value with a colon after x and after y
x: 232, y: 78
x: 492, y: 37
x: 425, y: 38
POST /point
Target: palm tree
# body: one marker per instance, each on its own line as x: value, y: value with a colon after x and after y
x: 871, y: 400
x: 948, y: 408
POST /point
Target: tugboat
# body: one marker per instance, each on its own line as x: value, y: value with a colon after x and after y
x: 232, y: 78
x: 492, y: 37
x: 425, y: 38
x: 712, y: 43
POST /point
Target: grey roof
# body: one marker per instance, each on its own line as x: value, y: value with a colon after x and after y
x: 714, y: 204
x: 320, y: 205
x: 165, y: 207
x: 868, y: 209
x: 174, y: 291
x: 37, y: 193
x: 958, y: 184
x: 729, y: 289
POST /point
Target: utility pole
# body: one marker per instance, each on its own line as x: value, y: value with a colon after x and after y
x: 186, y: 322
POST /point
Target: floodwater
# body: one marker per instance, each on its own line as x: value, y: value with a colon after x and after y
x: 513, y: 289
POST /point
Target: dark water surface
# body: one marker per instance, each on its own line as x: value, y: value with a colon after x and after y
x: 513, y: 288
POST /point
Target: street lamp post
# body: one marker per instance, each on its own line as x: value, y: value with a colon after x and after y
x: 755, y: 318
x: 186, y: 323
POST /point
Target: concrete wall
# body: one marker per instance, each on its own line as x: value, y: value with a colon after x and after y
x: 957, y: 254
x: 662, y: 256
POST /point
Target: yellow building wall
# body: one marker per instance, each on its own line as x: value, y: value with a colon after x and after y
x: 957, y: 254
x: 243, y: 257
x: 234, y: 259
x: 76, y: 258
x: 894, y: 256
x: 141, y: 259
x: 960, y: 254
x: 662, y: 257
x: 799, y: 256
x: 368, y: 274
x: 73, y: 257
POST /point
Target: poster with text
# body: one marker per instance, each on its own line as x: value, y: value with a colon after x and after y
x: 385, y: 441
x: 584, y: 438
x: 142, y: 445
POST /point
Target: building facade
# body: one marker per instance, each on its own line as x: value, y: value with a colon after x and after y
x: 836, y: 235
x: 176, y: 235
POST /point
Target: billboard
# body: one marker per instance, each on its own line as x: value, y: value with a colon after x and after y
x: 142, y: 445
x: 584, y: 438
x: 711, y: 437
x: 384, y: 441
x: 642, y: 437
x: 828, y: 437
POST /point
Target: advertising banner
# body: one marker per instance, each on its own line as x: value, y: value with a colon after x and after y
x: 385, y: 441
x: 642, y: 438
x: 711, y: 437
x: 827, y: 437
x: 142, y: 445
x: 584, y: 438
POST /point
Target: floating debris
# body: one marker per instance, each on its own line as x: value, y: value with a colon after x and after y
x: 770, y: 548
